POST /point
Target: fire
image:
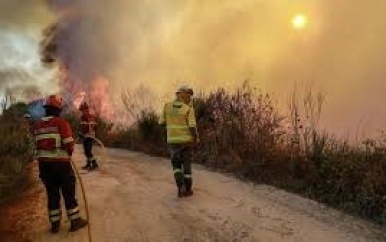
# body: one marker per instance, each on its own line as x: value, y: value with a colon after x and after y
x: 78, y: 99
x: 99, y: 98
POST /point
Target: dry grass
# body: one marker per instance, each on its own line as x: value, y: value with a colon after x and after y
x: 243, y: 133
x: 15, y: 153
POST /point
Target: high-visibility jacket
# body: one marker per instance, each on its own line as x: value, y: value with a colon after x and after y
x: 179, y: 118
x: 53, y: 139
x: 88, y: 125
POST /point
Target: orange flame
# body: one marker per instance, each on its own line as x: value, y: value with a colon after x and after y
x: 79, y: 98
x: 100, y: 99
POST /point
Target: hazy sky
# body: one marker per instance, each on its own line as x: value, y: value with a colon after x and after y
x: 212, y: 43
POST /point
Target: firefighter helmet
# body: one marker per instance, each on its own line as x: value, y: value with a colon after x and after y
x: 83, y: 106
x: 54, y: 101
x: 185, y: 89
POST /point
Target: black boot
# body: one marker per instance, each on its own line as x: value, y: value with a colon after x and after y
x: 77, y: 224
x: 55, y: 226
x: 93, y: 165
x: 188, y: 185
x: 181, y: 191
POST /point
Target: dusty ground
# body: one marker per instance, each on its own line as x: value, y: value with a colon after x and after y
x: 133, y: 198
x: 20, y: 215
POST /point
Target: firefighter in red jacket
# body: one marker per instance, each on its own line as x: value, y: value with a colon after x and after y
x: 88, y: 130
x: 54, y: 146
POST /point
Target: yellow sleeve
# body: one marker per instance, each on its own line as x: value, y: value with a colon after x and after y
x: 192, y: 118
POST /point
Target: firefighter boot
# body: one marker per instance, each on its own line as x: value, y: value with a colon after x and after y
x: 181, y: 191
x: 55, y: 226
x: 189, y: 193
x: 77, y: 224
x: 93, y: 165
x: 188, y: 185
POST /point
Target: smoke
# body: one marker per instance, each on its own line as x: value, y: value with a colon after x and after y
x: 23, y: 14
x: 159, y: 43
x: 21, y: 73
x: 19, y: 83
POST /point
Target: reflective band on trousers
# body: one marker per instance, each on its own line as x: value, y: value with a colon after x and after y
x: 54, y: 215
x: 177, y: 171
x: 73, y: 213
x: 188, y: 176
x: 73, y: 217
x: 74, y: 210
x: 91, y: 159
x: 54, y: 212
x: 54, y: 218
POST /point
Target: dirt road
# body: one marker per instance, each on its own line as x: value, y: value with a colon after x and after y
x: 133, y: 198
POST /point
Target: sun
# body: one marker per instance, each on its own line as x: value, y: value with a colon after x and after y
x: 299, y: 21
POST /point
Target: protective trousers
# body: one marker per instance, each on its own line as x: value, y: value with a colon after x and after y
x: 59, y: 179
x: 87, y: 147
x: 181, y: 158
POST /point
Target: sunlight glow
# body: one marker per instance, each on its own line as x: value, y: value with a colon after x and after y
x: 299, y: 22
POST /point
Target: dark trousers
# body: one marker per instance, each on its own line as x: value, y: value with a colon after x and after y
x: 181, y: 158
x: 59, y: 179
x: 87, y: 147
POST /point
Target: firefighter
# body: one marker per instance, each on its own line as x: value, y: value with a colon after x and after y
x: 182, y: 136
x: 87, y: 132
x: 54, y: 146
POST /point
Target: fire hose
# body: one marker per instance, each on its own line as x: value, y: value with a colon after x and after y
x: 87, y: 210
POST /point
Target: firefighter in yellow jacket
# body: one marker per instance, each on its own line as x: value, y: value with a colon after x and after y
x: 182, y: 136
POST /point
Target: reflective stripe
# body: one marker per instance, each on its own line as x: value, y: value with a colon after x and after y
x: 177, y: 171
x: 74, y: 210
x: 75, y: 216
x: 52, y: 154
x: 180, y: 139
x: 47, y: 130
x: 176, y: 127
x: 90, y: 122
x: 191, y: 118
x: 189, y: 176
x: 55, y: 218
x: 91, y: 159
x: 68, y: 140
x: 179, y: 119
x: 54, y: 212
x: 47, y: 118
x: 56, y: 137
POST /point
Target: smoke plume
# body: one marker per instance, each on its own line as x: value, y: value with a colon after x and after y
x: 21, y: 73
x: 160, y: 43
